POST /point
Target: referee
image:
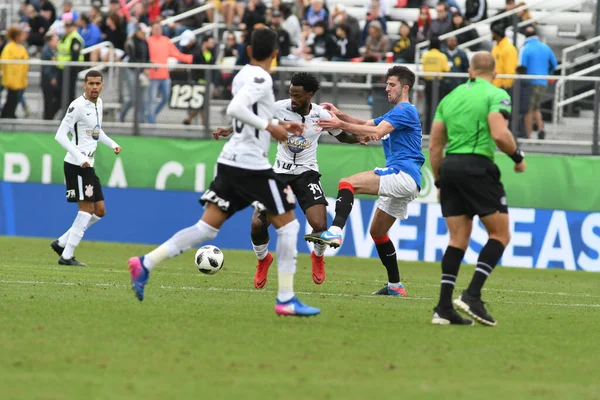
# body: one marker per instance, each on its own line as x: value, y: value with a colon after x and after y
x: 472, y: 121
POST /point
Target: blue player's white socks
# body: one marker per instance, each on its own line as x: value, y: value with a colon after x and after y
x: 336, y: 230
x: 180, y: 242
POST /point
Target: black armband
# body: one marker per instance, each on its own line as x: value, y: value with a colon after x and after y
x: 507, y: 116
x: 517, y: 156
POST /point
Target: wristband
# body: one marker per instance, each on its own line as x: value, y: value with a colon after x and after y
x: 517, y: 156
x: 274, y: 122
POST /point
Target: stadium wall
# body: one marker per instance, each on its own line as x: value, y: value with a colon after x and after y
x: 152, y: 190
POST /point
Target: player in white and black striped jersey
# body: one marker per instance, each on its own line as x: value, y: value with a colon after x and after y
x: 83, y: 120
x: 296, y: 163
x: 245, y: 177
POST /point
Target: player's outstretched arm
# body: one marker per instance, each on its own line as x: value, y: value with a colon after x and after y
x: 104, y: 139
x: 345, y: 137
x: 437, y: 142
x: 333, y: 110
x: 222, y: 132
x: 504, y: 139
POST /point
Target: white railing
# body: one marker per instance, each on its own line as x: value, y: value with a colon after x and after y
x: 545, y: 14
x: 207, y: 27
x: 189, y: 13
x: 559, y: 95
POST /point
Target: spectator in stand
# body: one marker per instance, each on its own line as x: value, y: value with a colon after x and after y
x: 231, y: 9
x: 453, y: 6
x: 524, y: 15
x: 96, y: 16
x: 193, y: 21
x: 506, y: 56
x: 89, y: 32
x: 284, y: 37
x: 459, y: 63
x: 377, y: 43
x: 138, y: 16
x: 538, y: 59
x: 256, y: 13
x: 114, y: 31
x: 204, y: 53
x: 340, y: 16
x: 69, y: 49
x: 291, y: 24
x: 48, y: 11
x: 374, y: 15
x: 170, y: 8
x: 50, y: 87
x: 68, y: 9
x: 136, y: 49
x: 316, y: 12
x: 383, y: 9
x: 14, y: 76
x: 443, y: 23
x: 404, y: 49
x: 458, y: 22
x: 160, y: 49
x: 153, y: 10
x: 324, y: 43
x: 38, y: 26
x: 231, y: 46
x: 475, y: 10
x: 504, y: 23
x: 420, y: 29
x: 345, y: 48
x: 433, y: 61
x: 524, y: 101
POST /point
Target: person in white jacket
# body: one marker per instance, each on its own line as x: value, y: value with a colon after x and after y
x: 83, y: 120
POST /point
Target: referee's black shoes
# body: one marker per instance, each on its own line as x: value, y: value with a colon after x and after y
x: 71, y: 261
x: 58, y: 249
x: 448, y: 316
x: 473, y: 306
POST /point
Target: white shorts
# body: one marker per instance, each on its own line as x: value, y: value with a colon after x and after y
x: 396, y: 191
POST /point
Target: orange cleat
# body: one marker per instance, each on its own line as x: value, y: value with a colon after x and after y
x: 262, y: 268
x: 318, y: 268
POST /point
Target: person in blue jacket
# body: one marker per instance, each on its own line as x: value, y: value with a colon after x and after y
x: 539, y: 59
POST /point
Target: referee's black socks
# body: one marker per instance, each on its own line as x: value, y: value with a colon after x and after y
x: 343, y: 204
x: 450, y: 266
x: 488, y: 258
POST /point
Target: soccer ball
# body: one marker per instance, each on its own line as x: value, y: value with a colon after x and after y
x: 209, y: 259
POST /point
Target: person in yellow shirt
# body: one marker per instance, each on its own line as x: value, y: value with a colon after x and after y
x: 14, y: 76
x: 506, y: 56
x: 433, y: 61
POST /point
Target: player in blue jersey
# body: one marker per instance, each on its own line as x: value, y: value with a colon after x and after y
x: 397, y: 184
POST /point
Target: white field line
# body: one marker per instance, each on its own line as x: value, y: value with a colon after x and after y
x: 167, y: 272
x: 213, y: 289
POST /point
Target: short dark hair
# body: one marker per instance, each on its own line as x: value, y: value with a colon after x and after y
x: 435, y: 43
x: 264, y: 43
x: 93, y: 73
x: 308, y: 81
x: 404, y: 75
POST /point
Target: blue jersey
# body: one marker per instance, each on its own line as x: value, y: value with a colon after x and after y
x: 402, y: 146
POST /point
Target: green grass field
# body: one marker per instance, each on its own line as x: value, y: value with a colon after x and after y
x: 79, y: 333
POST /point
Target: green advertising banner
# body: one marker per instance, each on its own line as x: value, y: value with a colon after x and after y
x: 551, y: 182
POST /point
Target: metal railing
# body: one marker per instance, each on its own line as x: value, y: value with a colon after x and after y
x: 205, y: 28
x: 189, y: 13
x: 581, y: 137
x: 560, y: 101
x: 111, y: 58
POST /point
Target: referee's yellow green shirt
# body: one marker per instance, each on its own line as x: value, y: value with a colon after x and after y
x: 465, y: 113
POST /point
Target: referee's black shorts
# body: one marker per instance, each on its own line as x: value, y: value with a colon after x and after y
x: 470, y: 185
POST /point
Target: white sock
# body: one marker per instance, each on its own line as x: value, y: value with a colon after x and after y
x: 261, y: 250
x: 319, y: 249
x: 76, y: 233
x: 62, y: 241
x: 180, y: 242
x: 394, y: 285
x: 336, y: 230
x: 287, y: 238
